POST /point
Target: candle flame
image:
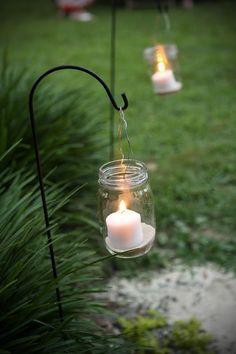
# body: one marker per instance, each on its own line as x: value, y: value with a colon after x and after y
x: 161, y: 60
x: 161, y: 66
x: 122, y: 206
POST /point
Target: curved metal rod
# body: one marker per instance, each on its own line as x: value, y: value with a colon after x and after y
x: 38, y: 161
x: 91, y: 73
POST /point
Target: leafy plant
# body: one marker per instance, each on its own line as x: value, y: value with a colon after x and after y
x: 188, y: 336
x: 71, y: 135
x: 72, y: 138
x: 29, y: 318
x: 150, y: 333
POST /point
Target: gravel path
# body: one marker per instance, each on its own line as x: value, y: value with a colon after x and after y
x: 207, y: 293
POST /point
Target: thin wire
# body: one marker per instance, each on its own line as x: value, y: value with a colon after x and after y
x: 120, y: 135
x: 124, y: 125
x: 166, y: 18
x: 163, y: 10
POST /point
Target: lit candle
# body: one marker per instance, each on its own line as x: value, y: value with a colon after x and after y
x: 163, y: 80
x: 124, y: 228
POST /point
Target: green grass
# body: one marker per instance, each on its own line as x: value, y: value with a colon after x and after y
x: 191, y: 135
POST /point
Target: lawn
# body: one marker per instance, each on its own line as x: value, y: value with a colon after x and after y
x: 189, y: 137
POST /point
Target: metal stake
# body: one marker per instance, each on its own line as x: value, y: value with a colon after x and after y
x: 112, y: 74
x: 39, y: 165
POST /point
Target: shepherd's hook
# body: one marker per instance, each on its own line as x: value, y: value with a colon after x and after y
x: 38, y: 161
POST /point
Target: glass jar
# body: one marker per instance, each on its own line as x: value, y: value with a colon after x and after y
x: 165, y: 74
x: 163, y: 77
x: 126, y: 208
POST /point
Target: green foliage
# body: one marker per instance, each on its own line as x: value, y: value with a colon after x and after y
x: 138, y: 330
x: 151, y: 334
x: 29, y: 319
x: 71, y: 137
x: 140, y: 324
x: 189, y: 337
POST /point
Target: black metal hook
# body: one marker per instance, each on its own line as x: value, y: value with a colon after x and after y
x: 38, y: 162
x: 91, y: 73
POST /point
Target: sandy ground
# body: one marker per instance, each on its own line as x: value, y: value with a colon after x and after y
x: 206, y: 293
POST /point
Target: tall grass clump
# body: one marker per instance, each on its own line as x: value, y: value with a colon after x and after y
x: 71, y: 147
x: 29, y: 319
x: 72, y: 138
x: 71, y: 132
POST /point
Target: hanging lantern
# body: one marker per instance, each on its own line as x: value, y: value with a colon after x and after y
x: 163, y: 78
x: 126, y: 208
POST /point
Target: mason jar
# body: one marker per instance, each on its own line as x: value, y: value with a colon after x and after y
x: 126, y: 208
x: 163, y: 77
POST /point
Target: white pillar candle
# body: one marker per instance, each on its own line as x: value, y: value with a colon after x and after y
x: 124, y: 228
x: 164, y: 81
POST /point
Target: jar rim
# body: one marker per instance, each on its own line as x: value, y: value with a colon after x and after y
x: 123, y: 174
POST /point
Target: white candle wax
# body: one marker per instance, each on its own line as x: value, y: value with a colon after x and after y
x: 164, y: 81
x: 124, y: 229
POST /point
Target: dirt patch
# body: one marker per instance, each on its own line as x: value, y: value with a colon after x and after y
x: 207, y: 293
